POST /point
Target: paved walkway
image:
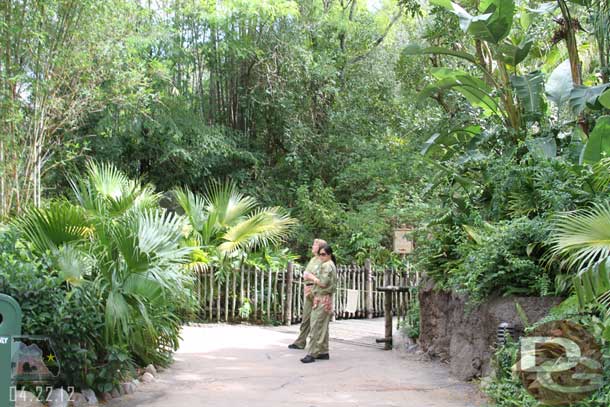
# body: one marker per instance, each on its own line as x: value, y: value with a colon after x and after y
x: 238, y: 365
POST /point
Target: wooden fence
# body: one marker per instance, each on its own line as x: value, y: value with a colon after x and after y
x: 255, y: 295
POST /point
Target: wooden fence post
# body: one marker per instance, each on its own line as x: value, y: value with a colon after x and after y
x: 387, y: 308
x: 288, y: 303
x: 369, y: 288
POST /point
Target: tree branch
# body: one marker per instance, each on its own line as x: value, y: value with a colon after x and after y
x: 379, y: 40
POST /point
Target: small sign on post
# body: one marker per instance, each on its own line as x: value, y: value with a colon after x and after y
x: 403, y: 242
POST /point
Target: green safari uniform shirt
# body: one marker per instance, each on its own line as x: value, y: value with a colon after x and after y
x: 312, y: 267
x: 322, y: 311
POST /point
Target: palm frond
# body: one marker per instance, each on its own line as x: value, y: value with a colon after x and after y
x: 72, y: 264
x: 160, y: 234
x: 601, y: 174
x: 106, y: 191
x: 227, y: 203
x: 266, y: 226
x: 107, y: 180
x: 194, y: 207
x: 141, y: 284
x: 124, y: 238
x: 50, y: 227
x: 117, y: 315
x: 582, y: 237
x: 592, y: 285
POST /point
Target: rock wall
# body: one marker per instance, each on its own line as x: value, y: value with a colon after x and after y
x: 465, y: 337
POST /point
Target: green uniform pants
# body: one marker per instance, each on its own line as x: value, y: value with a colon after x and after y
x: 320, y: 320
x: 306, y: 322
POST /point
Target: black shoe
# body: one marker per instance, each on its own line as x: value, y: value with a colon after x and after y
x: 323, y: 356
x: 293, y: 346
x: 308, y: 359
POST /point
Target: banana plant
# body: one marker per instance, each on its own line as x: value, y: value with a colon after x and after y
x: 495, y: 55
x: 598, y: 144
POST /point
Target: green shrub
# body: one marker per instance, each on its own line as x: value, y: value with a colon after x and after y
x: 73, y: 320
x: 488, y: 258
x: 497, y: 261
x: 411, y: 325
x: 505, y: 389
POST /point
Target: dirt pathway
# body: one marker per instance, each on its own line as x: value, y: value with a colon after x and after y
x: 250, y: 366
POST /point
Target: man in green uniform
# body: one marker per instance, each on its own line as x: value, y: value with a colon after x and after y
x: 312, y: 268
x: 325, y: 285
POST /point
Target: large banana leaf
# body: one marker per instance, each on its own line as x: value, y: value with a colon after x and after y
x: 559, y: 84
x: 598, y: 146
x: 604, y: 99
x: 448, y: 143
x: 475, y: 90
x: 414, y: 49
x: 585, y: 96
x: 529, y: 90
x: 545, y: 147
x: 544, y: 8
x: 501, y: 21
x: 492, y: 26
x: 514, y: 54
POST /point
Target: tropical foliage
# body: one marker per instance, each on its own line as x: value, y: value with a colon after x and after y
x: 483, y: 124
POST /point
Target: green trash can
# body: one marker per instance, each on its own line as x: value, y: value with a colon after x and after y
x: 10, y: 325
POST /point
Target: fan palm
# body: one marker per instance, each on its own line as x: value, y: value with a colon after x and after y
x: 582, y: 237
x: 226, y: 220
x: 105, y: 191
x: 116, y: 242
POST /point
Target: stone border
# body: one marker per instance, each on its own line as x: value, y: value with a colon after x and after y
x: 60, y: 398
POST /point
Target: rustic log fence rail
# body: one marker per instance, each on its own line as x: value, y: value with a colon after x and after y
x: 276, y: 295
